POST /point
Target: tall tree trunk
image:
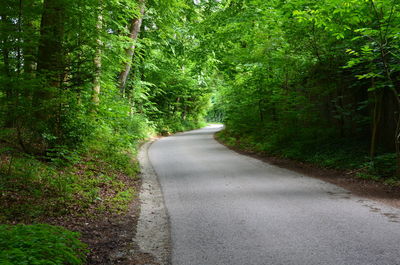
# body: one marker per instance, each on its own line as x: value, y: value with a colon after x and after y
x: 97, y: 61
x: 377, y: 113
x: 134, y: 32
x: 50, y: 70
x: 50, y: 63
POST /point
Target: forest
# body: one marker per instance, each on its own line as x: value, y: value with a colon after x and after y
x: 84, y: 82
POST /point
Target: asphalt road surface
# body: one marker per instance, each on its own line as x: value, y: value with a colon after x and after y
x: 226, y: 208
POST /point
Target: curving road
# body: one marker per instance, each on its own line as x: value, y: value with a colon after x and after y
x: 231, y: 209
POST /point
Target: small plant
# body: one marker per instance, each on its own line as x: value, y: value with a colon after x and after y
x: 121, y: 200
x: 40, y: 244
x: 384, y: 165
x: 392, y: 182
x: 367, y: 176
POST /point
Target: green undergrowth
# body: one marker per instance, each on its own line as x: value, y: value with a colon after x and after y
x: 40, y: 244
x: 99, y: 180
x: 94, y: 175
x: 325, y: 152
x: 95, y: 179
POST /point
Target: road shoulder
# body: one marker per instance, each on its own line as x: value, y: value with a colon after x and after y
x: 153, y: 235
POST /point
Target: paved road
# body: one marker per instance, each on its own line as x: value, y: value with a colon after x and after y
x: 230, y: 209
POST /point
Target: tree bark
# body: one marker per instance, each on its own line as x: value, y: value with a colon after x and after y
x: 377, y: 113
x: 97, y: 63
x: 50, y: 63
x: 50, y: 72
x: 134, y: 32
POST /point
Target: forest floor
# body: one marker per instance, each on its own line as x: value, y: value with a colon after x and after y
x: 368, y: 188
x: 109, y: 231
x: 110, y: 237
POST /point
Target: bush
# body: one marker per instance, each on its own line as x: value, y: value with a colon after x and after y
x: 40, y: 244
x: 383, y: 165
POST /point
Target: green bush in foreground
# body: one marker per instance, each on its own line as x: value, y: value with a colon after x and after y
x: 40, y: 244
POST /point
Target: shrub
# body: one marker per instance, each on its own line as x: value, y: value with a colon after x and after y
x: 383, y: 165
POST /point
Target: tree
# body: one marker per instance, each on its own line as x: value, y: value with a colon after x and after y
x: 133, y: 35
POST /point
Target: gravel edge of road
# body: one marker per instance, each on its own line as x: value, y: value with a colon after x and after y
x: 153, y: 233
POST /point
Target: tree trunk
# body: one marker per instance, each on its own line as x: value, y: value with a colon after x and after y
x: 377, y: 113
x: 51, y: 72
x: 97, y: 62
x: 134, y: 32
x: 50, y: 65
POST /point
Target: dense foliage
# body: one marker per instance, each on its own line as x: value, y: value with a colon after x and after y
x: 83, y: 82
x: 311, y: 80
x: 73, y: 70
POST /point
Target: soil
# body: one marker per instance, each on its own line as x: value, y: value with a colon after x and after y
x: 375, y: 190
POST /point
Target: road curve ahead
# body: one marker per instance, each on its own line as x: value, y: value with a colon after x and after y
x: 230, y: 209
